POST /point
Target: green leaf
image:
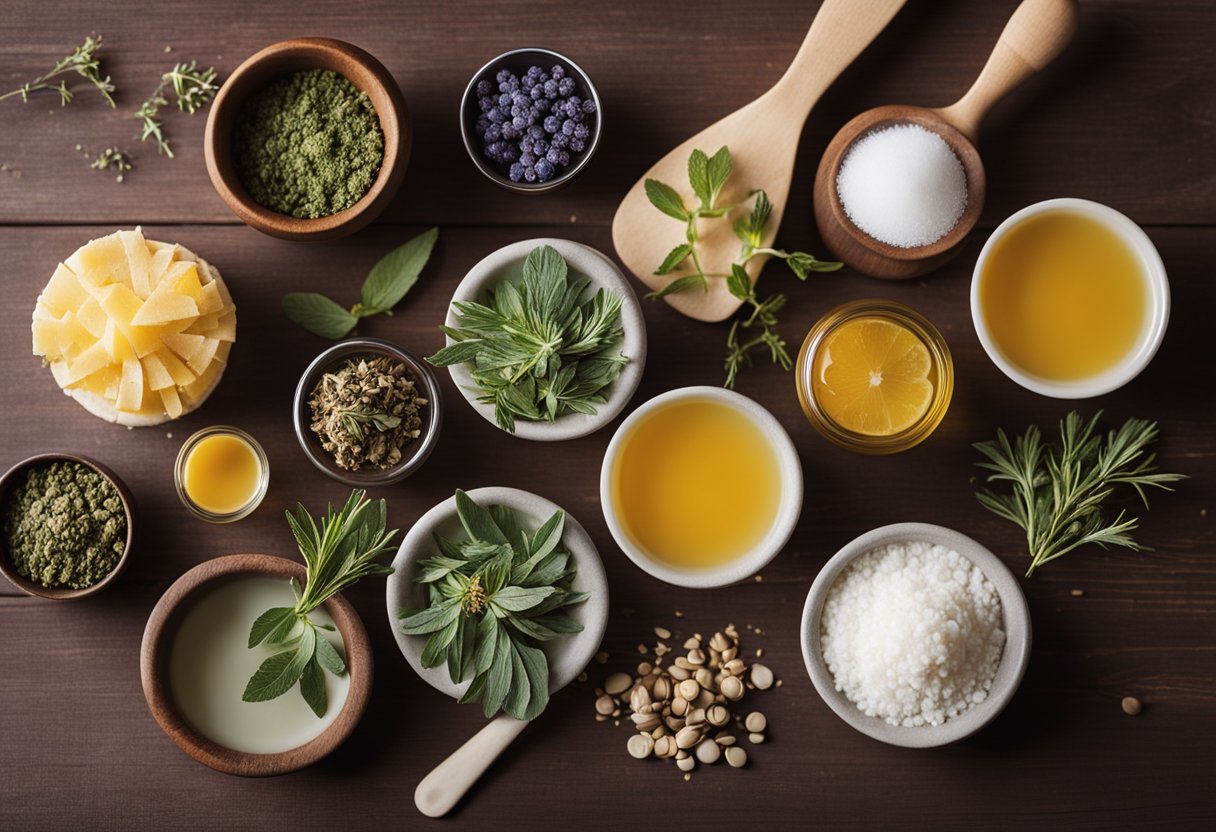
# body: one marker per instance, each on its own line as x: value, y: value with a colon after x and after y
x: 536, y: 668
x: 477, y: 521
x: 278, y: 673
x: 516, y: 702
x: 519, y: 598
x: 499, y: 681
x: 439, y: 642
x: 312, y: 686
x: 549, y: 535
x: 698, y: 177
x: 739, y: 284
x: 486, y: 641
x: 681, y: 284
x: 434, y: 568
x: 665, y: 198
x: 270, y: 622
x: 395, y: 274
x: 674, y: 258
x: 328, y: 657
x: 718, y: 172
x: 318, y: 314
x: 421, y: 622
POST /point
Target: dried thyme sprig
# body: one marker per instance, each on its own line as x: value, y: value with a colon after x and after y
x: 112, y: 159
x: 83, y: 61
x: 192, y: 89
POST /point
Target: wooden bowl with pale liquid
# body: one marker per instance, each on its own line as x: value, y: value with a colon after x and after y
x: 361, y: 69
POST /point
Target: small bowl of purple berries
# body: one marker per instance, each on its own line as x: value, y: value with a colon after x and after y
x: 531, y: 120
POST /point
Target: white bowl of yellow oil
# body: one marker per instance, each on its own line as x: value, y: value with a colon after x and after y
x: 1070, y: 298
x: 701, y: 487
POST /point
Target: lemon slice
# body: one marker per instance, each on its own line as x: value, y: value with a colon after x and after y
x: 871, y: 377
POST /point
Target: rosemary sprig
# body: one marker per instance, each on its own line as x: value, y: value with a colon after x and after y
x: 708, y: 175
x: 337, y: 552
x: 1059, y: 493
x: 192, y: 89
x: 83, y: 61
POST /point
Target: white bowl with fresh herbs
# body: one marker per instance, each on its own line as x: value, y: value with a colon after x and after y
x: 578, y: 414
x: 567, y: 654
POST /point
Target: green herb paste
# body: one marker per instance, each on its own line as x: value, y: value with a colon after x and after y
x: 64, y: 526
x: 309, y: 145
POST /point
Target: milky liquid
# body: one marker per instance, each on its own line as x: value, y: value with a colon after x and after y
x: 211, y: 663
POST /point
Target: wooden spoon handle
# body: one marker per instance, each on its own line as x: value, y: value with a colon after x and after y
x: 440, y: 790
x: 839, y: 33
x: 1036, y: 33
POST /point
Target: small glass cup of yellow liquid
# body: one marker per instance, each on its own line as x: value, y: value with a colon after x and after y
x: 874, y: 376
x: 222, y: 474
x: 1070, y: 298
x: 701, y: 487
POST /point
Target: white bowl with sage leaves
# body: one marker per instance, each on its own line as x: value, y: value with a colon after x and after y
x: 545, y: 338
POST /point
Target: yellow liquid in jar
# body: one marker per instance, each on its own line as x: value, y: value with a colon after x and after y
x: 222, y: 474
x: 696, y: 484
x: 1063, y: 296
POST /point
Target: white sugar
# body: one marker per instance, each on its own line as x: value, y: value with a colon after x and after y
x: 902, y: 185
x: 913, y: 633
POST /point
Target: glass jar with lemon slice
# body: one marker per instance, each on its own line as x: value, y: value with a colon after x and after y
x: 874, y: 376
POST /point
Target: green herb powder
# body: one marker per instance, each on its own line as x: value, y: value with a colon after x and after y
x: 64, y: 526
x: 309, y: 145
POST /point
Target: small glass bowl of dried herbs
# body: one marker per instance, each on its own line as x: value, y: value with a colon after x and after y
x: 367, y: 412
x: 66, y: 526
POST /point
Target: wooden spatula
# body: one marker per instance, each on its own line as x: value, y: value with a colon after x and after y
x: 763, y: 140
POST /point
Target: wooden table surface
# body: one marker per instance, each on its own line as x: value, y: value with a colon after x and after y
x: 1126, y: 117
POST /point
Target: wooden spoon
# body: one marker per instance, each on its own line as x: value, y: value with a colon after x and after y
x: 1037, y: 32
x: 763, y: 140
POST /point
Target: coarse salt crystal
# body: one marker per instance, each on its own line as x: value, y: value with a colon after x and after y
x: 902, y: 185
x: 913, y: 633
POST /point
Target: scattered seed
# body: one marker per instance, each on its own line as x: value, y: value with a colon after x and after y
x: 604, y: 705
x: 643, y: 649
x: 1077, y: 593
x: 759, y: 652
x: 601, y: 718
x: 755, y: 739
x: 689, y: 689
x: 708, y: 752
x: 725, y: 740
x: 756, y: 722
x: 1132, y: 706
x: 601, y: 657
x: 687, y: 777
x: 582, y: 677
x: 686, y: 764
x: 640, y: 746
x: 759, y: 578
x: 679, y: 614
x: 736, y: 756
x: 732, y: 688
x: 645, y: 669
x: 662, y: 632
x: 617, y: 683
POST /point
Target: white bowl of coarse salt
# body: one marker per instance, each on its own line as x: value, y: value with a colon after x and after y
x: 916, y: 635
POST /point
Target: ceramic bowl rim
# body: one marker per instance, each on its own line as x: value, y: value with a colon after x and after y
x: 604, y: 274
x: 423, y: 447
x: 469, y: 137
x: 1014, y: 659
x: 788, y: 511
x: 128, y: 504
x: 157, y: 646
x: 1157, y: 317
x: 591, y: 578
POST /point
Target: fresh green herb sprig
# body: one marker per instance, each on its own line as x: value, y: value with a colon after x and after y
x: 113, y: 159
x: 536, y: 349
x: 1059, y: 493
x: 383, y: 288
x: 83, y: 61
x: 708, y: 175
x: 192, y: 89
x: 492, y: 600
x: 337, y: 552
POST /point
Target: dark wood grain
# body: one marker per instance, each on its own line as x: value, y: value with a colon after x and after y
x: 1124, y: 117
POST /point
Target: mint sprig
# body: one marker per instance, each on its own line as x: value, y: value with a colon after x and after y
x: 384, y: 287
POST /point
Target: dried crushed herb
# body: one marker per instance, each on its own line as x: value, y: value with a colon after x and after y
x: 64, y: 526
x: 367, y: 412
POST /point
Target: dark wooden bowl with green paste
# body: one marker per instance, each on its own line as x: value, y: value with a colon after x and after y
x: 90, y: 573
x: 308, y: 139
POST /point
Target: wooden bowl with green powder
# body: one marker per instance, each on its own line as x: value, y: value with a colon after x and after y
x: 66, y: 526
x: 308, y: 139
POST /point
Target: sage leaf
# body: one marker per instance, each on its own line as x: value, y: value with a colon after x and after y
x: 477, y: 521
x: 665, y: 198
x: 269, y: 622
x: 318, y: 314
x: 278, y: 673
x: 520, y: 692
x: 518, y: 598
x: 421, y: 622
x: 536, y: 668
x: 395, y: 274
x: 328, y: 657
x: 312, y: 686
x: 549, y: 535
x: 499, y: 681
